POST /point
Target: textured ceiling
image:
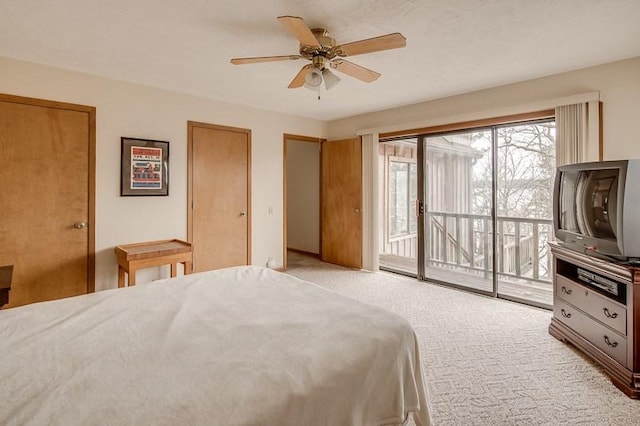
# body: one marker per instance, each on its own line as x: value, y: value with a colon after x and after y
x: 453, y: 46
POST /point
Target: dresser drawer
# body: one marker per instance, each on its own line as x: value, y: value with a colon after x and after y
x: 607, y: 340
x: 605, y: 310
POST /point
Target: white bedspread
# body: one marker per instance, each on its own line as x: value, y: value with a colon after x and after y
x: 240, y: 346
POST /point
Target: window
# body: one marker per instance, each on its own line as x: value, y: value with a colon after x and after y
x: 402, y: 194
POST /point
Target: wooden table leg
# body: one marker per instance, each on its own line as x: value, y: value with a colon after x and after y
x: 188, y: 267
x: 132, y: 276
x: 120, y: 276
x: 174, y: 270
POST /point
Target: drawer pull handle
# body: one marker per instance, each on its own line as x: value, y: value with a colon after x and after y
x: 566, y: 290
x: 610, y: 315
x: 608, y: 342
x: 565, y: 314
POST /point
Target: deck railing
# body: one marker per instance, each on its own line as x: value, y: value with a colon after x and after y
x: 463, y: 241
x: 404, y: 246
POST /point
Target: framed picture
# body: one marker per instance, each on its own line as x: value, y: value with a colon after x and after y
x: 144, y: 167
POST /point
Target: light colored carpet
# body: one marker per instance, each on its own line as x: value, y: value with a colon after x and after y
x: 486, y: 361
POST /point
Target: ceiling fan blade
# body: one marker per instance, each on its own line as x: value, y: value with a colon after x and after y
x: 357, y: 71
x: 298, y: 80
x: 242, y: 61
x: 299, y: 29
x: 376, y: 44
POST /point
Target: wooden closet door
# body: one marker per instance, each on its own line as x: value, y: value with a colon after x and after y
x: 219, y: 220
x: 341, y: 200
x: 46, y: 198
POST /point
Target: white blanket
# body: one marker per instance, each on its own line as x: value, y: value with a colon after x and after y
x: 239, y: 346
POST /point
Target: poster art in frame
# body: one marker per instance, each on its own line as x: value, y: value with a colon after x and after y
x: 144, y: 167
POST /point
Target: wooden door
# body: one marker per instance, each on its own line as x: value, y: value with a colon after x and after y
x: 341, y: 202
x: 219, y: 195
x: 47, y: 157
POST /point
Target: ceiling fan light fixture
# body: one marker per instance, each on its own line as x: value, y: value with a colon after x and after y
x: 313, y: 79
x: 330, y: 79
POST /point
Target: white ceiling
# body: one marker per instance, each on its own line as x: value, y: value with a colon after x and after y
x: 453, y: 46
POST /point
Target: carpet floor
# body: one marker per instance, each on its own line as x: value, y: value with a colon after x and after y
x: 486, y: 361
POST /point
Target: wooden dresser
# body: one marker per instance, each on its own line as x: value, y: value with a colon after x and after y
x: 596, y: 307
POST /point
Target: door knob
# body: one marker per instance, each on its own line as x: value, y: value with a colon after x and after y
x: 356, y: 210
x: 79, y: 225
x: 243, y: 213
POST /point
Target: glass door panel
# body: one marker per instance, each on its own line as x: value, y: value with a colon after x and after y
x: 458, y: 230
x: 525, y: 172
x: 398, y: 194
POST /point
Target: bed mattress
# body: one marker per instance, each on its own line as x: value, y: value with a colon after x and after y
x: 238, y: 346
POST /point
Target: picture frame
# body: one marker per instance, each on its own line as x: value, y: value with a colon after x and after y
x: 144, y: 167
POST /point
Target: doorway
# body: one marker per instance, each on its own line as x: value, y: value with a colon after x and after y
x: 302, y: 183
x: 219, y: 195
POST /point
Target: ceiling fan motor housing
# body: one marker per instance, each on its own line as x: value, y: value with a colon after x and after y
x: 324, y: 51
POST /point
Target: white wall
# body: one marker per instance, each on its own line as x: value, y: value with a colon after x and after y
x: 618, y: 84
x: 125, y: 109
x: 132, y: 110
x: 303, y: 196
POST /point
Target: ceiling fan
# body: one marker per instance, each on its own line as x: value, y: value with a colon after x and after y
x: 318, y: 47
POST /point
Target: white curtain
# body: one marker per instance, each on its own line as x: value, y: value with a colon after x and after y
x: 578, y: 133
x: 370, y: 213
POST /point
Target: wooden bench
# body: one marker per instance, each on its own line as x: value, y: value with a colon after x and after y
x: 132, y: 257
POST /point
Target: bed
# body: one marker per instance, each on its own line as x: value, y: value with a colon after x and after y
x: 238, y: 346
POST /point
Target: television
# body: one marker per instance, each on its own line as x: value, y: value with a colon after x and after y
x: 596, y: 208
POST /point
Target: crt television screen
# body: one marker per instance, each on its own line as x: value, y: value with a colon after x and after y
x: 567, y: 218
x: 590, y: 198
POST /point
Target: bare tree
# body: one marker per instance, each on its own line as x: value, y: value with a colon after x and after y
x: 525, y: 170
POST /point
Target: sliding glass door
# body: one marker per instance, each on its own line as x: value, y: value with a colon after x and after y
x: 525, y: 165
x: 443, y: 195
x: 458, y: 227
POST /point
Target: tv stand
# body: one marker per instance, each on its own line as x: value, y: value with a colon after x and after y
x: 596, y: 308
